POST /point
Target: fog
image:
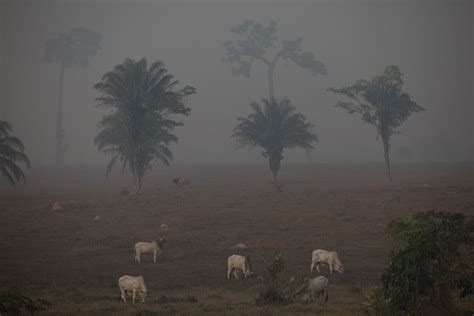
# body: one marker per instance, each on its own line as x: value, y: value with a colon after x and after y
x: 432, y: 43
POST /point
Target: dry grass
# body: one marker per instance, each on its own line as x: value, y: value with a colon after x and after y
x: 74, y: 261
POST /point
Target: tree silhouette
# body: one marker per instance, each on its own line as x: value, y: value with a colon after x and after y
x: 260, y: 43
x: 144, y: 108
x: 11, y: 153
x: 273, y: 127
x: 72, y: 49
x: 382, y: 103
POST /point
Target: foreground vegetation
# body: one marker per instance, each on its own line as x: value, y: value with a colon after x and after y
x: 434, y: 261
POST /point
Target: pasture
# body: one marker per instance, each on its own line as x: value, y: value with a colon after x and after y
x: 74, y: 259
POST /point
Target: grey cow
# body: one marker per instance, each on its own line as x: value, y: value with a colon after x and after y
x: 311, y: 287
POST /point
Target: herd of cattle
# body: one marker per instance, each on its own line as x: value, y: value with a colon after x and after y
x: 237, y: 265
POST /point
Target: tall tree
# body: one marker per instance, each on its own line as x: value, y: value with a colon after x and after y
x: 260, y: 43
x: 145, y: 106
x: 382, y: 103
x: 11, y: 154
x: 72, y: 49
x: 274, y: 126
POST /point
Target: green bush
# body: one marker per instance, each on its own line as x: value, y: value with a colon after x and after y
x: 433, y: 260
x: 13, y: 302
x: 273, y: 291
x: 375, y: 302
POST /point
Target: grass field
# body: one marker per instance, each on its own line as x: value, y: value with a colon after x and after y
x: 74, y: 261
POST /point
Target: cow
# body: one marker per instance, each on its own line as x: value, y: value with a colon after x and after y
x: 181, y: 182
x: 236, y: 264
x: 155, y: 247
x: 132, y: 284
x: 311, y: 287
x: 328, y: 257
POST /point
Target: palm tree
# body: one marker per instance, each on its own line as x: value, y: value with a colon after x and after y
x: 72, y: 49
x: 273, y: 127
x: 11, y: 153
x: 144, y: 109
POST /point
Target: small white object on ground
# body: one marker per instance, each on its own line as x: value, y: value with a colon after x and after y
x: 56, y: 206
x: 240, y: 245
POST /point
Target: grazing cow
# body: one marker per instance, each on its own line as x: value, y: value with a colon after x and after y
x: 155, y: 247
x: 132, y: 284
x: 328, y: 257
x: 236, y: 264
x: 181, y: 182
x: 311, y: 287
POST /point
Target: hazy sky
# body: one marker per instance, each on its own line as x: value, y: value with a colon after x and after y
x: 431, y: 41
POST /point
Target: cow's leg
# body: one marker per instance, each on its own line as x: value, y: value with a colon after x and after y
x: 324, y: 296
x: 122, y: 296
x: 312, y: 267
x: 154, y: 256
x: 228, y: 273
x: 134, y: 293
x: 317, y: 266
x: 236, y: 273
x: 330, y: 268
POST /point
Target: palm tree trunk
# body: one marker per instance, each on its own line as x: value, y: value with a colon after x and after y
x: 271, y: 88
x: 275, y: 176
x: 386, y: 153
x: 138, y: 185
x: 59, y: 128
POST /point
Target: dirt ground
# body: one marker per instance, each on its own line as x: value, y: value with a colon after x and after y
x: 74, y: 260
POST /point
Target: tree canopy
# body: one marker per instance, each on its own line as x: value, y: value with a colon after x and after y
x: 273, y: 126
x: 257, y: 42
x: 73, y: 48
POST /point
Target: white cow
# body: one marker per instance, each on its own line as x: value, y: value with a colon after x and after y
x: 328, y: 257
x: 132, y: 284
x: 236, y: 263
x: 311, y: 287
x: 155, y: 247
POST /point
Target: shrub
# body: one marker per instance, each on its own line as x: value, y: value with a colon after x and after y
x: 434, y: 258
x: 272, y: 290
x: 13, y: 302
x: 375, y: 302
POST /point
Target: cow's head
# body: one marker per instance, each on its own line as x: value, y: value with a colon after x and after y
x: 248, y: 266
x: 143, y: 294
x: 339, y: 268
x: 304, y: 287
